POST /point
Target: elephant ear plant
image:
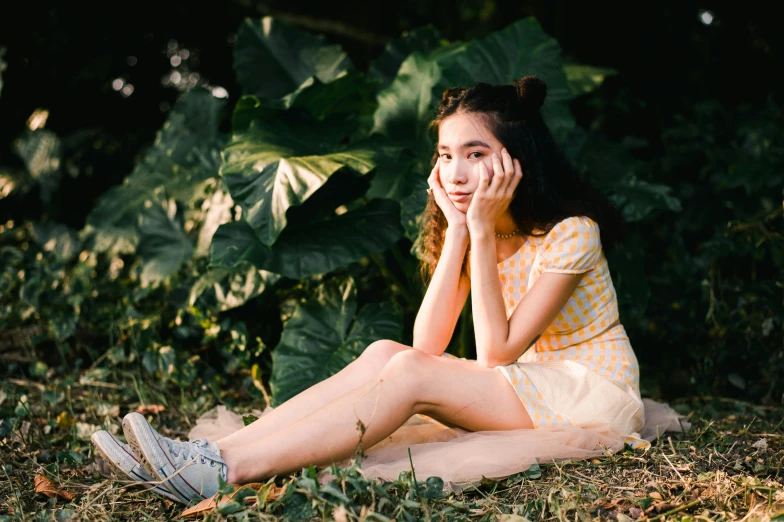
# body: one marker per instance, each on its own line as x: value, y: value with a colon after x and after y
x: 291, y: 218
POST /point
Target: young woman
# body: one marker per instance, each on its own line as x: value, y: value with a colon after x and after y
x: 510, y: 219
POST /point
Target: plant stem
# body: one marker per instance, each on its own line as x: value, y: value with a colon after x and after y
x: 676, y: 510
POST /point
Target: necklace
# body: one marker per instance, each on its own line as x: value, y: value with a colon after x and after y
x: 507, y: 236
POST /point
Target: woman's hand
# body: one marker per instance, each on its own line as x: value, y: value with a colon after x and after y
x: 494, y: 193
x: 454, y: 217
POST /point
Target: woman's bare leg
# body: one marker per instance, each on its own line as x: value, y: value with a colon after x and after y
x: 458, y: 391
x: 355, y: 374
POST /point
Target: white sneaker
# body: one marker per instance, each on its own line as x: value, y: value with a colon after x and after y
x: 122, y: 459
x: 190, y: 470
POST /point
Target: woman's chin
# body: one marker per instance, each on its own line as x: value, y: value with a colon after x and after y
x: 462, y: 206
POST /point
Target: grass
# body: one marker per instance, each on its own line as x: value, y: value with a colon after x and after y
x: 720, y: 470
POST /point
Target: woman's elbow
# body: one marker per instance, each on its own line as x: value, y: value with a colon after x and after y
x: 492, y: 362
x: 488, y: 363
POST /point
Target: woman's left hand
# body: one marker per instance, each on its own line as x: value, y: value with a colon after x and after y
x: 493, y: 195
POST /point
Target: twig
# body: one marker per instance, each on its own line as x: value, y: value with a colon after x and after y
x: 676, y: 510
x: 413, y: 473
x: 99, y: 384
x: 20, y: 382
x: 675, y: 470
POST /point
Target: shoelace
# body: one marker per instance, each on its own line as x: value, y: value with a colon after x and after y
x: 200, y: 450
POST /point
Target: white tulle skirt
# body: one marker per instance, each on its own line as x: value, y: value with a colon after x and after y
x: 462, y: 458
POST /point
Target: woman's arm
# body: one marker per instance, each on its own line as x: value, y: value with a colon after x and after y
x: 498, y: 341
x: 445, y: 297
x: 487, y: 304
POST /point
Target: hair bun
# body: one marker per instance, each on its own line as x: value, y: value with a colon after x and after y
x: 531, y: 92
x: 450, y: 94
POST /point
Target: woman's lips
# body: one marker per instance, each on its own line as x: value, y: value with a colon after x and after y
x: 458, y: 196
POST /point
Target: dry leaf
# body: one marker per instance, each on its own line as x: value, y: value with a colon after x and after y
x: 660, y: 506
x: 47, y: 487
x: 609, y: 505
x: 655, y: 494
x: 150, y: 409
x: 208, y: 504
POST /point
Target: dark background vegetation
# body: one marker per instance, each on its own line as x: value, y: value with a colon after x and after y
x: 63, y: 57
x: 713, y: 323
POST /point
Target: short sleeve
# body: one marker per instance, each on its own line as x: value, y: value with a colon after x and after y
x: 572, y: 246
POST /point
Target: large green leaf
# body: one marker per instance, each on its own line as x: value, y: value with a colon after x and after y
x: 184, y: 160
x: 275, y: 61
x: 423, y: 39
x: 640, y: 199
x: 402, y: 177
x: 277, y: 161
x: 353, y: 95
x: 323, y: 336
x: 406, y: 106
x: 411, y: 208
x: 306, y: 249
x: 222, y: 289
x: 608, y: 163
x: 395, y: 175
x: 163, y: 244
x: 614, y: 170
x: 521, y: 49
x: 217, y: 210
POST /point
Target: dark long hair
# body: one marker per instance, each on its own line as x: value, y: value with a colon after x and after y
x: 551, y: 190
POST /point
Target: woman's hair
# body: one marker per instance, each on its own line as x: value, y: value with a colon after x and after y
x: 551, y: 189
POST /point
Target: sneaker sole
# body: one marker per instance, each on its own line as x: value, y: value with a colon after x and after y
x: 141, y: 438
x: 123, y: 461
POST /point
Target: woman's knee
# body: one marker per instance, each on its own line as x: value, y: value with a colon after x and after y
x: 409, y: 365
x: 379, y: 353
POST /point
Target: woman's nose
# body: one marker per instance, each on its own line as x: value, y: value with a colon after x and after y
x: 457, y: 174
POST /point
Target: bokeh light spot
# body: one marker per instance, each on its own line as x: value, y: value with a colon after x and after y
x: 220, y: 92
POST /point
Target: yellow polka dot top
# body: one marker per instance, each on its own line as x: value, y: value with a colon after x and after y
x: 572, y: 246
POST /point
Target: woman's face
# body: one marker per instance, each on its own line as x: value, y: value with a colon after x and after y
x: 463, y: 143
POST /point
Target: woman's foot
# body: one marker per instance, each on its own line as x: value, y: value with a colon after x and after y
x: 122, y: 459
x: 190, y: 470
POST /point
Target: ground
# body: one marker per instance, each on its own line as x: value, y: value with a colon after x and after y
x: 728, y: 466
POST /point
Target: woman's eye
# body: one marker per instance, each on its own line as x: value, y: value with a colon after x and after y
x: 479, y: 153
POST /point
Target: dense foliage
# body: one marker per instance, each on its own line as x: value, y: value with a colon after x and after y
x: 276, y: 238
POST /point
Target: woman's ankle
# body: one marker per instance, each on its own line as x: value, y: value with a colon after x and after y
x: 234, y: 473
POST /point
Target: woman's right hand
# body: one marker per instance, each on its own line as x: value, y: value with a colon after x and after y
x: 454, y: 217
